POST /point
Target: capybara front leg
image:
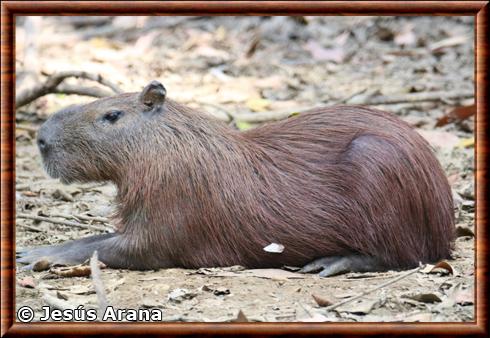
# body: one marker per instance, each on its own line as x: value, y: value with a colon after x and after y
x: 330, y: 266
x: 112, y: 249
x: 69, y: 253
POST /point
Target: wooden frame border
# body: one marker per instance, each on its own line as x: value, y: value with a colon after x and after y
x: 10, y: 9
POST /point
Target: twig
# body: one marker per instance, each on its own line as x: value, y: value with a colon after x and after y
x: 57, y: 303
x: 26, y: 128
x: 31, y: 228
x: 98, y: 284
x: 82, y: 217
x: 111, y: 30
x: 53, y: 81
x: 362, y: 294
x: 80, y: 90
x: 369, y: 101
x: 55, y: 221
x: 418, y: 97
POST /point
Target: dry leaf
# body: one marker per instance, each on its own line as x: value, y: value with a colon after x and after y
x: 419, y: 317
x: 462, y: 296
x: 308, y: 314
x: 320, y: 53
x: 240, y: 318
x: 277, y: 274
x: 242, y: 125
x: 457, y: 114
x: 444, y: 265
x: 27, y: 282
x: 425, y: 298
x: 441, y: 139
x: 429, y: 268
x: 257, y: 104
x: 463, y: 230
x: 406, y: 36
x: 274, y: 248
x: 74, y: 271
x: 363, y: 306
x: 467, y: 143
x: 179, y: 295
x: 322, y: 302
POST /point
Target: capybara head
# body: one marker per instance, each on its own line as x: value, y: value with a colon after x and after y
x: 91, y: 142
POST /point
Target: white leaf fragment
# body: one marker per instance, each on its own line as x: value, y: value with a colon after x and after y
x: 274, y: 248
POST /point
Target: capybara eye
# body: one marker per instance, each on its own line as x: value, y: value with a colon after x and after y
x: 113, y: 115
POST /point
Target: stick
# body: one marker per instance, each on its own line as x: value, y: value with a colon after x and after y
x: 370, y: 101
x: 98, y: 284
x: 55, y: 221
x: 79, y: 90
x: 82, y: 217
x: 418, y: 97
x: 49, y: 86
x: 362, y: 294
x: 57, y: 303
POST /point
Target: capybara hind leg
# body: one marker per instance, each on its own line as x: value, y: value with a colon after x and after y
x: 330, y: 266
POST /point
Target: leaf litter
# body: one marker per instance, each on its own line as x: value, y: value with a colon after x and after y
x: 230, y: 66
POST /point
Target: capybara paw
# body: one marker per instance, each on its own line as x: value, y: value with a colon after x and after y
x: 330, y: 266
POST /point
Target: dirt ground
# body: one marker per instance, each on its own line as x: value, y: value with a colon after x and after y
x: 230, y: 66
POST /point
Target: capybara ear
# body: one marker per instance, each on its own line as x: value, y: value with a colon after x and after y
x: 153, y: 95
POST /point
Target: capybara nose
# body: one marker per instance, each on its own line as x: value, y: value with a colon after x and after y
x: 42, y: 144
x: 43, y: 140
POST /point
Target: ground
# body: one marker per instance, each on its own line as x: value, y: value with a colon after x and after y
x: 234, y: 68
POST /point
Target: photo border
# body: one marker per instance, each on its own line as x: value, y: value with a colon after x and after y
x: 11, y: 9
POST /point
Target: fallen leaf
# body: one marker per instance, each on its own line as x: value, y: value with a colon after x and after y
x: 467, y: 143
x: 27, y: 282
x: 419, y: 317
x: 61, y: 295
x: 179, y: 295
x: 463, y: 230
x: 150, y: 303
x: 425, y: 297
x: 457, y: 114
x: 442, y: 265
x: 274, y: 248
x: 82, y: 289
x: 321, y: 53
x: 74, y: 271
x: 257, y: 104
x: 405, y: 36
x: 462, y: 296
x: 309, y: 314
x: 276, y: 274
x: 321, y: 301
x: 242, y: 125
x: 240, y: 318
x: 440, y: 139
x: 363, y: 306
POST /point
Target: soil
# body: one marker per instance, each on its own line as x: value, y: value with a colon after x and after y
x: 229, y: 66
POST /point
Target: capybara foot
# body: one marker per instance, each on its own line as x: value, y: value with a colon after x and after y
x: 70, y: 253
x: 330, y: 266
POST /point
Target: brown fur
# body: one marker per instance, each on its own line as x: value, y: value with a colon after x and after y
x: 193, y: 192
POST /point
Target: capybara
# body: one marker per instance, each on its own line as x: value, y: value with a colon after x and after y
x: 344, y: 188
